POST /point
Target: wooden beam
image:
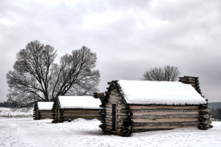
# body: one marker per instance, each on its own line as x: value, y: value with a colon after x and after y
x: 82, y: 112
x: 163, y: 107
x: 164, y: 113
x: 162, y: 127
x: 166, y: 120
x: 138, y: 124
x: 166, y: 116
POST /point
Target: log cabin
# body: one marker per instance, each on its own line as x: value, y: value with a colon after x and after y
x: 137, y: 106
x: 67, y: 108
x: 42, y: 110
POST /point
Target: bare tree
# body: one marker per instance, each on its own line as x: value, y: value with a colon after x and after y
x: 37, y: 78
x: 166, y: 73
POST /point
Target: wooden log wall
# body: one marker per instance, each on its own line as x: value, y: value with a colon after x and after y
x: 138, y: 118
x: 70, y: 114
x: 114, y: 112
x: 45, y: 114
x: 41, y: 114
x: 153, y: 117
x: 61, y: 115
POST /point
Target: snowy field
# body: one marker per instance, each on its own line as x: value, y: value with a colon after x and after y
x: 15, y: 112
x: 26, y: 132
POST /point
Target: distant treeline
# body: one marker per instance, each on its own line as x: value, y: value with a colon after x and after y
x: 216, y: 113
x: 9, y: 104
x: 13, y: 104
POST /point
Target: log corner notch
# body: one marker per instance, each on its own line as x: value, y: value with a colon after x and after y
x: 205, y: 121
x: 114, y: 111
x: 36, y: 114
x: 56, y: 113
x: 205, y: 117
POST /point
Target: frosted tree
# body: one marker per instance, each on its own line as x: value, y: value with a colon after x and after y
x: 36, y: 77
x: 166, y: 73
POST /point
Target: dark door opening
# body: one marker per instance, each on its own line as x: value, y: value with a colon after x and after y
x: 114, y: 117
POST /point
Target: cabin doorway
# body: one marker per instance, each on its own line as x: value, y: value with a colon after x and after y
x: 114, y: 117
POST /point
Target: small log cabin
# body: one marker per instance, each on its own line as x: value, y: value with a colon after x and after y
x: 67, y: 108
x: 42, y: 110
x: 137, y: 106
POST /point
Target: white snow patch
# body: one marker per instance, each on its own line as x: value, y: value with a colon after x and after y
x: 45, y: 105
x: 88, y: 102
x: 26, y: 132
x: 160, y: 92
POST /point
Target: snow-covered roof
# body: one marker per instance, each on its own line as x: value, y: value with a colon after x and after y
x: 87, y: 102
x: 45, y: 105
x: 159, y: 92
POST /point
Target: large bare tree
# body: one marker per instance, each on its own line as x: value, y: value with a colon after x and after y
x: 166, y: 73
x: 36, y: 77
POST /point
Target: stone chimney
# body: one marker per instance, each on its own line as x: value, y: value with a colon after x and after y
x: 193, y: 81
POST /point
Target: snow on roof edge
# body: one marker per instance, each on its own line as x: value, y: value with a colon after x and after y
x: 147, y: 92
x: 45, y: 105
x: 79, y: 102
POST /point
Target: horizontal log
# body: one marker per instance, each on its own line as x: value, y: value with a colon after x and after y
x: 86, y: 110
x: 110, y: 106
x: 108, y: 124
x: 123, y: 114
x: 45, y: 111
x: 167, y: 110
x: 165, y: 113
x: 114, y: 92
x: 109, y: 127
x: 163, y: 107
x: 167, y: 116
x: 163, y: 127
x: 118, y: 108
x: 112, y: 101
x: 81, y: 112
x: 45, y: 115
x: 122, y: 107
x: 114, y: 96
x: 70, y: 117
x: 46, y: 118
x: 166, y: 120
x: 81, y: 115
x: 121, y: 102
x: 108, y: 111
x: 108, y: 116
x: 166, y: 123
x: 108, y: 121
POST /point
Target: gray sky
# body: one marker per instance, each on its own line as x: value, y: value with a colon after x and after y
x: 129, y: 37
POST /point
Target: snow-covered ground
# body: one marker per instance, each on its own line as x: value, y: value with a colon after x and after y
x: 16, y: 112
x: 26, y: 132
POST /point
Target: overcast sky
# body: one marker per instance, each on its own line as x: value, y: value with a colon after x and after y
x: 129, y: 37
